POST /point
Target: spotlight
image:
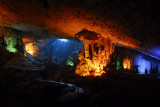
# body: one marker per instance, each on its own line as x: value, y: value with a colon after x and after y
x: 63, y: 40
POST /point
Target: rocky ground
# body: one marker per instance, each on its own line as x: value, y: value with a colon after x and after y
x: 19, y: 88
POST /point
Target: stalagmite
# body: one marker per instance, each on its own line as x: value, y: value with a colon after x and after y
x: 127, y: 63
x: 95, y: 56
x: 32, y: 49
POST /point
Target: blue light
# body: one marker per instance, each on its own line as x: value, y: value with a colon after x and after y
x: 63, y: 40
x: 155, y: 51
x: 142, y: 63
x: 145, y: 64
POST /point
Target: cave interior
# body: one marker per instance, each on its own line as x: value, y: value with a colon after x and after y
x: 84, y: 52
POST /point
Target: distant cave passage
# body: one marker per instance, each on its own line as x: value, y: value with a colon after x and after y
x: 57, y: 51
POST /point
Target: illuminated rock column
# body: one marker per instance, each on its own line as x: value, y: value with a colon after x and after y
x: 97, y: 53
x: 86, y: 47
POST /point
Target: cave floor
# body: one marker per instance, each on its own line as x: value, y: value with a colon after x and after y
x: 111, y: 89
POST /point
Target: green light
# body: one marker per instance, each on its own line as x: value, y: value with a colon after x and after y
x: 11, y: 42
x: 70, y: 61
x: 11, y: 49
x: 118, y: 65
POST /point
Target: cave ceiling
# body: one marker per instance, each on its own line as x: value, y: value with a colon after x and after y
x: 130, y: 23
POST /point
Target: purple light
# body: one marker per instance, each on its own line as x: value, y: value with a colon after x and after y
x: 155, y: 51
x: 144, y: 64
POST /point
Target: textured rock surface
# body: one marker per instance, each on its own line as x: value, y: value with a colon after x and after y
x: 47, y: 18
x: 96, y: 54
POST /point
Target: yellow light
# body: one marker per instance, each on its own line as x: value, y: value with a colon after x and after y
x: 95, y: 57
x: 127, y: 63
x: 31, y: 49
x: 99, y: 73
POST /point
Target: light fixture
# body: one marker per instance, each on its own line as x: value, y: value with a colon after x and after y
x: 63, y: 40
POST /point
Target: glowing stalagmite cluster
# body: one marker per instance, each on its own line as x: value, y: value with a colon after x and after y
x: 31, y: 49
x: 10, y: 39
x: 95, y: 56
x: 127, y: 63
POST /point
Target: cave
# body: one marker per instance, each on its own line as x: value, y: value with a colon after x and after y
x: 79, y: 53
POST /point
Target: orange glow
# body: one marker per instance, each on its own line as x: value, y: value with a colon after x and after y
x: 56, y: 24
x: 29, y: 46
x: 95, y: 55
x: 25, y: 53
x: 27, y: 40
x: 31, y: 49
x: 99, y: 73
x: 127, y: 63
x: 89, y: 68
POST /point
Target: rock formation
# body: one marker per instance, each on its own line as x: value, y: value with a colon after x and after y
x: 96, y: 54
